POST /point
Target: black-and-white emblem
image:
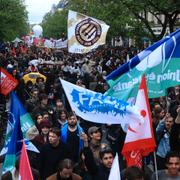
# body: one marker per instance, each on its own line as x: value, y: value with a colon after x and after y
x: 88, y: 32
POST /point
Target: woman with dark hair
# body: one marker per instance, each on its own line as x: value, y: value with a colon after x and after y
x: 62, y: 118
x: 38, y: 120
x: 42, y: 138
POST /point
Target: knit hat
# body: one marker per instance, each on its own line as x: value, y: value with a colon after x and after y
x: 45, y: 123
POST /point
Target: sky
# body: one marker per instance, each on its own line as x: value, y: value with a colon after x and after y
x: 38, y: 8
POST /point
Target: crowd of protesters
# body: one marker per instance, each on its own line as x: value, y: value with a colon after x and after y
x: 70, y: 147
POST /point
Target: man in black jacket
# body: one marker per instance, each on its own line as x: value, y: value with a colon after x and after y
x: 51, y: 154
x: 101, y: 171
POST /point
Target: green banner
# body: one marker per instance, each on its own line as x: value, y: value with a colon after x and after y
x: 160, y: 75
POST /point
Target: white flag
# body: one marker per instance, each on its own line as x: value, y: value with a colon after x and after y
x: 115, y: 172
x: 85, y: 33
x: 98, y: 108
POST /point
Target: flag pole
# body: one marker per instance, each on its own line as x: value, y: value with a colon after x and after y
x: 74, y: 114
x: 155, y: 165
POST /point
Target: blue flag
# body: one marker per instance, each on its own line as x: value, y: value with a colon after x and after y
x: 20, y: 126
x: 160, y: 63
x: 138, y: 58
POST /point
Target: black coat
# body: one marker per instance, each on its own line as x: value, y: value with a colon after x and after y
x: 50, y: 157
x: 98, y: 172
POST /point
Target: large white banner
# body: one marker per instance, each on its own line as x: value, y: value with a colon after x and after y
x: 59, y: 44
x: 98, y: 108
x: 85, y: 33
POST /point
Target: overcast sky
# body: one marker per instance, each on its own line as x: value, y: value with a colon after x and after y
x: 38, y: 8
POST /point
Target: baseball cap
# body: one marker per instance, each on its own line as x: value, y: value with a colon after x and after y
x: 93, y: 129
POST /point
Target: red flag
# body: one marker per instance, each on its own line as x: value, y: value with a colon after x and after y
x: 24, y: 167
x: 7, y: 82
x: 140, y: 140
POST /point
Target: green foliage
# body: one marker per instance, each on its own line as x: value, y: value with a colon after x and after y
x: 13, y: 18
x: 140, y: 9
x: 127, y: 18
x: 54, y: 25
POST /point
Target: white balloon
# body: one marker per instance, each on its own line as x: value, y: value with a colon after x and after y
x: 37, y: 30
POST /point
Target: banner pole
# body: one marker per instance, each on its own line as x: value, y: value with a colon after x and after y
x: 68, y: 101
x: 155, y: 165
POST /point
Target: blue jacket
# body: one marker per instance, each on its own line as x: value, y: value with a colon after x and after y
x: 163, y: 136
x: 64, y: 131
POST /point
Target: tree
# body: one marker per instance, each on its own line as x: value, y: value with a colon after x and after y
x: 54, y: 25
x: 140, y: 9
x: 13, y: 18
x: 126, y: 18
x: 120, y: 13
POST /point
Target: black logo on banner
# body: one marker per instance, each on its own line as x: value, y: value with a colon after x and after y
x: 88, y: 32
